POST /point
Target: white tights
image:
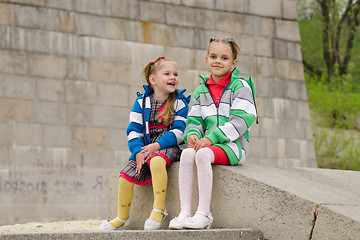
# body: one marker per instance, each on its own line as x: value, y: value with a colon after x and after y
x: 203, y: 159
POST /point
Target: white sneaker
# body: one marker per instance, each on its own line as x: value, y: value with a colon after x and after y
x: 105, y: 226
x: 151, y: 224
x: 194, y: 223
x: 178, y: 223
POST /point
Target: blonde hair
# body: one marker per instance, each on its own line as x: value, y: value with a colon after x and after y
x: 234, y: 47
x: 167, y: 115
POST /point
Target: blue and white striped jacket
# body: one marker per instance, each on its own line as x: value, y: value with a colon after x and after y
x: 138, y: 133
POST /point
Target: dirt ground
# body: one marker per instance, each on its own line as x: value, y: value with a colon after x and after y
x: 62, y: 226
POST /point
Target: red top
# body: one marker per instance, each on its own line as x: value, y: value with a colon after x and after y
x: 216, y: 88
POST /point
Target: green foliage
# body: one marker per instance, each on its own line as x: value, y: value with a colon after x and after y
x: 335, y: 105
x: 337, y: 149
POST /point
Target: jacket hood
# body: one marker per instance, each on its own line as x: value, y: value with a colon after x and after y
x: 180, y: 92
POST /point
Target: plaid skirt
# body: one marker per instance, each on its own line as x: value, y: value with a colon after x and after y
x: 171, y: 154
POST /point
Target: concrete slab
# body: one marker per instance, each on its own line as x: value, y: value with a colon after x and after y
x: 243, y: 234
x: 278, y: 201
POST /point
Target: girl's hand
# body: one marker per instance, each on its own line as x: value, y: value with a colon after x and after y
x: 204, y: 142
x: 140, y: 160
x: 191, y: 140
x: 150, y: 149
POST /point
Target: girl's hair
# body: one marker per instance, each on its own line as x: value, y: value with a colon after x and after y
x: 167, y: 115
x: 234, y: 47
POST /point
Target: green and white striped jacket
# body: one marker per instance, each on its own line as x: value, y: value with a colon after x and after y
x: 228, y: 125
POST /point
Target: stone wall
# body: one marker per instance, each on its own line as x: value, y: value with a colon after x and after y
x: 69, y: 71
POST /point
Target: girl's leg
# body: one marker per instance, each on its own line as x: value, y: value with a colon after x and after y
x: 186, y: 178
x: 204, y: 158
x: 159, y: 181
x: 125, y: 196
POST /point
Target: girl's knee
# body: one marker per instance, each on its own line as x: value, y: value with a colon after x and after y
x: 204, y: 155
x: 157, y: 162
x: 187, y: 156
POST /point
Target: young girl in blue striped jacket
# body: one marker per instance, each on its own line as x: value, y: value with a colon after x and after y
x: 222, y: 111
x: 155, y: 137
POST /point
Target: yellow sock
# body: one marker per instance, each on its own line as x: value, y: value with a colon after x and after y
x: 159, y: 181
x: 125, y: 196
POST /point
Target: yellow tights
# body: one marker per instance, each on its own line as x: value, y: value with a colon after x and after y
x: 126, y: 192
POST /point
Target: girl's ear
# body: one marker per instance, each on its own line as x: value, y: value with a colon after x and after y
x: 235, y: 62
x: 152, y: 80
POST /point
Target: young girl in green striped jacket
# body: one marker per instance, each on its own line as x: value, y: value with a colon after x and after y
x: 222, y: 112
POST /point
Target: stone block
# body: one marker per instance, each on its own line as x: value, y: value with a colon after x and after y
x: 252, y: 25
x: 289, y: 70
x: 263, y: 47
x: 118, y: 51
x: 89, y: 138
x: 131, y: 73
x: 15, y: 110
x: 293, y: 88
x: 110, y: 117
x: 229, y: 22
x: 269, y: 109
x: 13, y: 63
x: 50, y: 90
x: 25, y: 39
x: 232, y: 5
x: 47, y: 66
x: 78, y: 69
x: 49, y: 112
x: 34, y: 17
x: 113, y: 95
x: 199, y: 3
x: 90, y: 6
x: 4, y: 160
x: 180, y: 16
x: 14, y: 86
x: 184, y: 37
x: 66, y: 22
x: 263, y: 67
x: 168, y: 1
x: 6, y: 14
x: 272, y: 148
x: 124, y: 9
x: 246, y: 44
x: 79, y: 115
x: 267, y: 27
x: 244, y: 65
x: 114, y: 28
x: 262, y: 86
x: 180, y: 54
x: 29, y: 2
x: 266, y: 8
x: 152, y: 12
x: 103, y: 71
x: 287, y: 30
x: 28, y: 134
x: 60, y: 4
x: 117, y: 139
x: 160, y: 34
x: 57, y: 136
x: 292, y: 148
x: 257, y: 148
x: 7, y: 134
x: 205, y: 19
x: 81, y: 92
x: 90, y: 25
x: 289, y: 10
x: 85, y: 47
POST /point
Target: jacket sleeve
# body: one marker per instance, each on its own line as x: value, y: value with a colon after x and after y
x: 242, y: 115
x: 195, y: 122
x: 134, y: 130
x: 175, y: 135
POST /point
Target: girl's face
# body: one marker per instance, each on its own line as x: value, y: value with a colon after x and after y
x: 220, y: 60
x: 165, y: 80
